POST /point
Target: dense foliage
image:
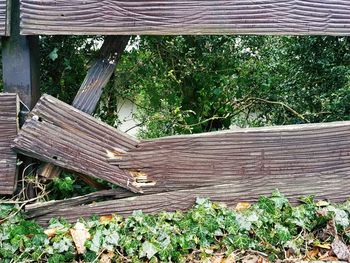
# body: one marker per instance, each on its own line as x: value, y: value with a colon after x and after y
x: 190, y: 84
x: 271, y: 227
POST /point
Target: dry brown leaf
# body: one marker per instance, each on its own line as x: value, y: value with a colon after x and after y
x: 216, y: 259
x: 106, y: 219
x: 340, y: 249
x: 324, y: 246
x: 107, y: 258
x: 242, y: 206
x: 250, y: 259
x: 262, y: 260
x: 312, y: 254
x: 51, y: 232
x: 79, y: 235
x: 230, y: 259
x: 322, y: 203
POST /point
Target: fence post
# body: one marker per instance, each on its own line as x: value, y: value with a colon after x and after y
x: 20, y: 60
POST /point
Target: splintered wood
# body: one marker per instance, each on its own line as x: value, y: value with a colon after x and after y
x: 60, y: 134
x: 9, y: 109
x: 299, y: 158
x: 95, y: 80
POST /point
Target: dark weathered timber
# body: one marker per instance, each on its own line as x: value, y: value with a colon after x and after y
x: 41, y: 209
x: 269, y: 156
x: 174, y: 17
x: 5, y: 9
x: 245, y: 190
x: 20, y: 61
x: 60, y: 134
x: 91, y: 89
x: 9, y: 108
x: 100, y: 73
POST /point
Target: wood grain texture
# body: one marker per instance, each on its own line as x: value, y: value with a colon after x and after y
x: 91, y: 89
x: 9, y: 108
x: 40, y: 209
x: 268, y: 156
x: 5, y: 9
x: 99, y: 74
x: 332, y: 187
x: 173, y: 17
x: 60, y: 134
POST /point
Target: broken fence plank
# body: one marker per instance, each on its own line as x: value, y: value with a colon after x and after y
x: 41, y: 209
x: 58, y: 133
x: 91, y: 89
x: 190, y: 17
x: 9, y: 109
x: 247, y: 190
x: 270, y: 155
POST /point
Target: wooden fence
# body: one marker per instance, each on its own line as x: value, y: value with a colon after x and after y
x: 166, y: 173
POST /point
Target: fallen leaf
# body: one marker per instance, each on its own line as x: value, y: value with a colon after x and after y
x: 51, y: 232
x: 230, y: 259
x: 250, y: 259
x: 216, y: 259
x: 262, y: 260
x: 331, y: 228
x: 322, y: 203
x: 340, y: 249
x: 242, y: 206
x: 106, y: 219
x: 312, y: 254
x: 79, y: 235
x: 107, y: 258
x: 325, y: 246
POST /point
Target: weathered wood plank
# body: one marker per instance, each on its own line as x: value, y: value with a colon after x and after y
x: 95, y: 80
x: 40, y: 209
x: 20, y: 61
x: 173, y: 17
x: 99, y: 74
x: 9, y: 109
x: 60, y: 134
x: 5, y: 9
x: 271, y: 155
x: 332, y: 187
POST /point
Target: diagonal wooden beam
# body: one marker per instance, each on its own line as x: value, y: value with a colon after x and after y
x: 58, y: 133
x: 92, y: 87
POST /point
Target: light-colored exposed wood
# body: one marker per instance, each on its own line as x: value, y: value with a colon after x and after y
x: 9, y: 108
x: 60, y: 134
x: 270, y: 155
x: 172, y: 17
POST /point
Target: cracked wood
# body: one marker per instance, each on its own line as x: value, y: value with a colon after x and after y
x: 60, y: 134
x: 9, y: 109
x: 95, y: 80
x: 175, y: 17
x: 270, y: 155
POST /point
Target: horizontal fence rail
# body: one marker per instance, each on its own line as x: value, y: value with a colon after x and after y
x: 172, y: 17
